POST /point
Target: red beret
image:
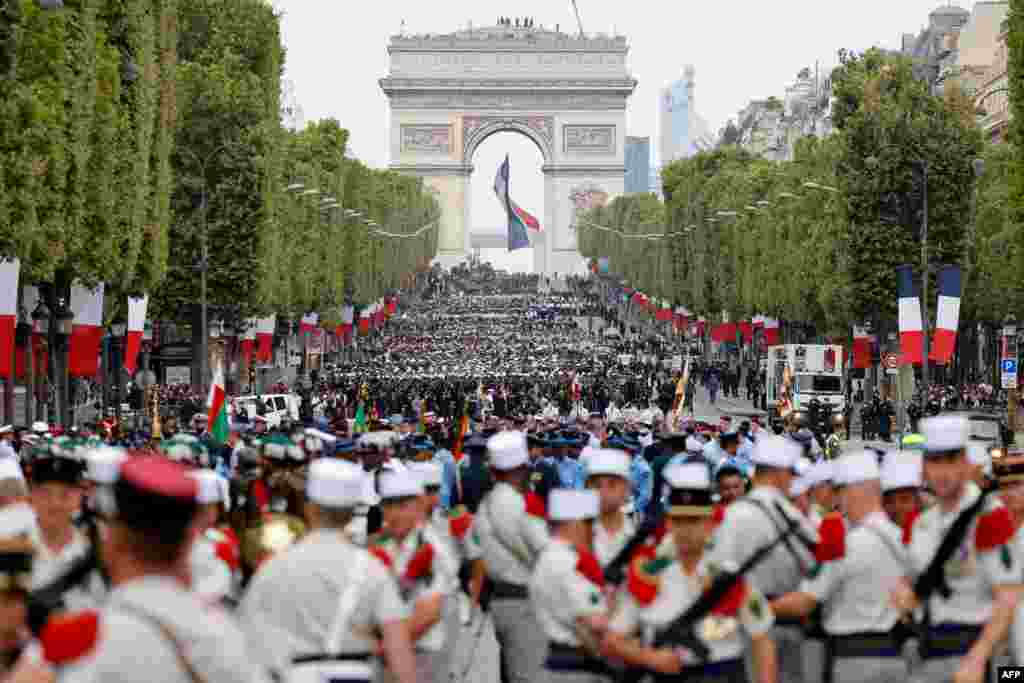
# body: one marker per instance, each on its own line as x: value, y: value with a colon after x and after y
x: 160, y: 477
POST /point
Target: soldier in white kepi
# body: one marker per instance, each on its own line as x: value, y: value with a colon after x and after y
x: 323, y: 608
x: 512, y: 532
x: 901, y: 486
x: 608, y: 475
x: 708, y: 647
x: 567, y: 591
x: 965, y: 577
x: 421, y: 564
x: 152, y: 627
x: 758, y: 519
x: 853, y: 587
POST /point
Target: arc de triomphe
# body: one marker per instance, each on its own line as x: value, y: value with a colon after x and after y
x: 448, y: 93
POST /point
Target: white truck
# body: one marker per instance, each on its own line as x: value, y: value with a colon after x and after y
x: 800, y: 373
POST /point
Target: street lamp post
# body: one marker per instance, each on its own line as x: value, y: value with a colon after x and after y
x: 117, y: 332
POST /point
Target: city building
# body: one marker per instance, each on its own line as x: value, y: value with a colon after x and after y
x: 683, y: 132
x: 934, y: 49
x: 770, y: 128
x: 638, y: 164
x: 992, y: 97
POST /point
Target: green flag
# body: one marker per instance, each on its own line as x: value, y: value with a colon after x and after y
x: 360, y: 425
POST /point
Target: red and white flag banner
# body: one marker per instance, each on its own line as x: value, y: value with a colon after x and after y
x: 9, y: 272
x: 265, y: 338
x: 136, y: 327
x: 86, y: 331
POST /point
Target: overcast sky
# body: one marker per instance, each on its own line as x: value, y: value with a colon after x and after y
x: 741, y: 49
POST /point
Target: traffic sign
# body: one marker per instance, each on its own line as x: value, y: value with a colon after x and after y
x: 892, y: 363
x: 1009, y: 373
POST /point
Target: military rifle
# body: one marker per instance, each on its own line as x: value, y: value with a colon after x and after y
x: 682, y: 631
x: 615, y: 572
x: 933, y: 578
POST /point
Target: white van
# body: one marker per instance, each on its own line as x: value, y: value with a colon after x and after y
x: 276, y: 407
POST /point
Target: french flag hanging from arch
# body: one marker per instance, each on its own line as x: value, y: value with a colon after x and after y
x: 136, y: 326
x: 947, y: 315
x: 86, y: 331
x: 911, y: 327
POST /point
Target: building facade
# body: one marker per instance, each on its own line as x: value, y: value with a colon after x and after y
x: 638, y: 164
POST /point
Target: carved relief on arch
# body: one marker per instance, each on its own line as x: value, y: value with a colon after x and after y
x: 475, y: 129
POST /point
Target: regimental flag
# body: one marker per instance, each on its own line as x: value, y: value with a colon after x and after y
x: 86, y: 331
x: 9, y: 271
x: 217, y: 421
x: 463, y: 430
x: 771, y: 331
x: 265, y: 338
x: 518, y: 220
x: 861, y: 348
x: 911, y: 328
x: 136, y: 327
x: 947, y: 315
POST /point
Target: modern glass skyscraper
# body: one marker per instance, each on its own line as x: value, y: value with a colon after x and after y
x: 638, y: 164
x: 682, y: 132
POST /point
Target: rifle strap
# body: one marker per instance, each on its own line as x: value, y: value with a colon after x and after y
x: 783, y: 535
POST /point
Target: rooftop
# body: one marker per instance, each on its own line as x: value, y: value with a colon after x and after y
x: 513, y: 37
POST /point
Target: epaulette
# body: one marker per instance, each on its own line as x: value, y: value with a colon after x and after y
x: 459, y: 521
x: 421, y: 564
x: 731, y: 602
x: 381, y: 554
x: 67, y: 638
x: 588, y: 566
x: 995, y: 528
x: 717, y: 514
x: 644, y: 581
x: 908, y: 526
x: 535, y: 506
x: 832, y: 538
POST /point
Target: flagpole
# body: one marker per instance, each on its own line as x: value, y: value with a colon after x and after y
x: 508, y: 200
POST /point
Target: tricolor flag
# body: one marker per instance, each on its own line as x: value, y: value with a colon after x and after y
x: 947, y: 315
x: 664, y: 313
x: 9, y: 271
x: 518, y: 220
x: 247, y: 342
x: 265, y: 338
x: 136, y: 327
x: 344, y: 330
x: 911, y: 328
x: 861, y: 348
x: 771, y: 331
x: 681, y: 318
x: 364, y: 320
x: 217, y: 422
x: 86, y: 331
x: 308, y: 322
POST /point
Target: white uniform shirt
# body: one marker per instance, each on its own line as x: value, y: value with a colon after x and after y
x: 47, y: 565
x: 560, y: 594
x: 723, y: 635
x: 510, y: 539
x: 443, y: 579
x: 971, y: 574
x: 746, y: 529
x: 293, y: 600
x: 854, y: 589
x: 132, y: 647
x: 607, y: 544
x: 212, y: 578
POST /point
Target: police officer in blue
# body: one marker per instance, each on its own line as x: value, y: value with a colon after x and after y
x: 543, y: 475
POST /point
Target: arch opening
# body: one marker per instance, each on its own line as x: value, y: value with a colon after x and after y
x: 487, y: 220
